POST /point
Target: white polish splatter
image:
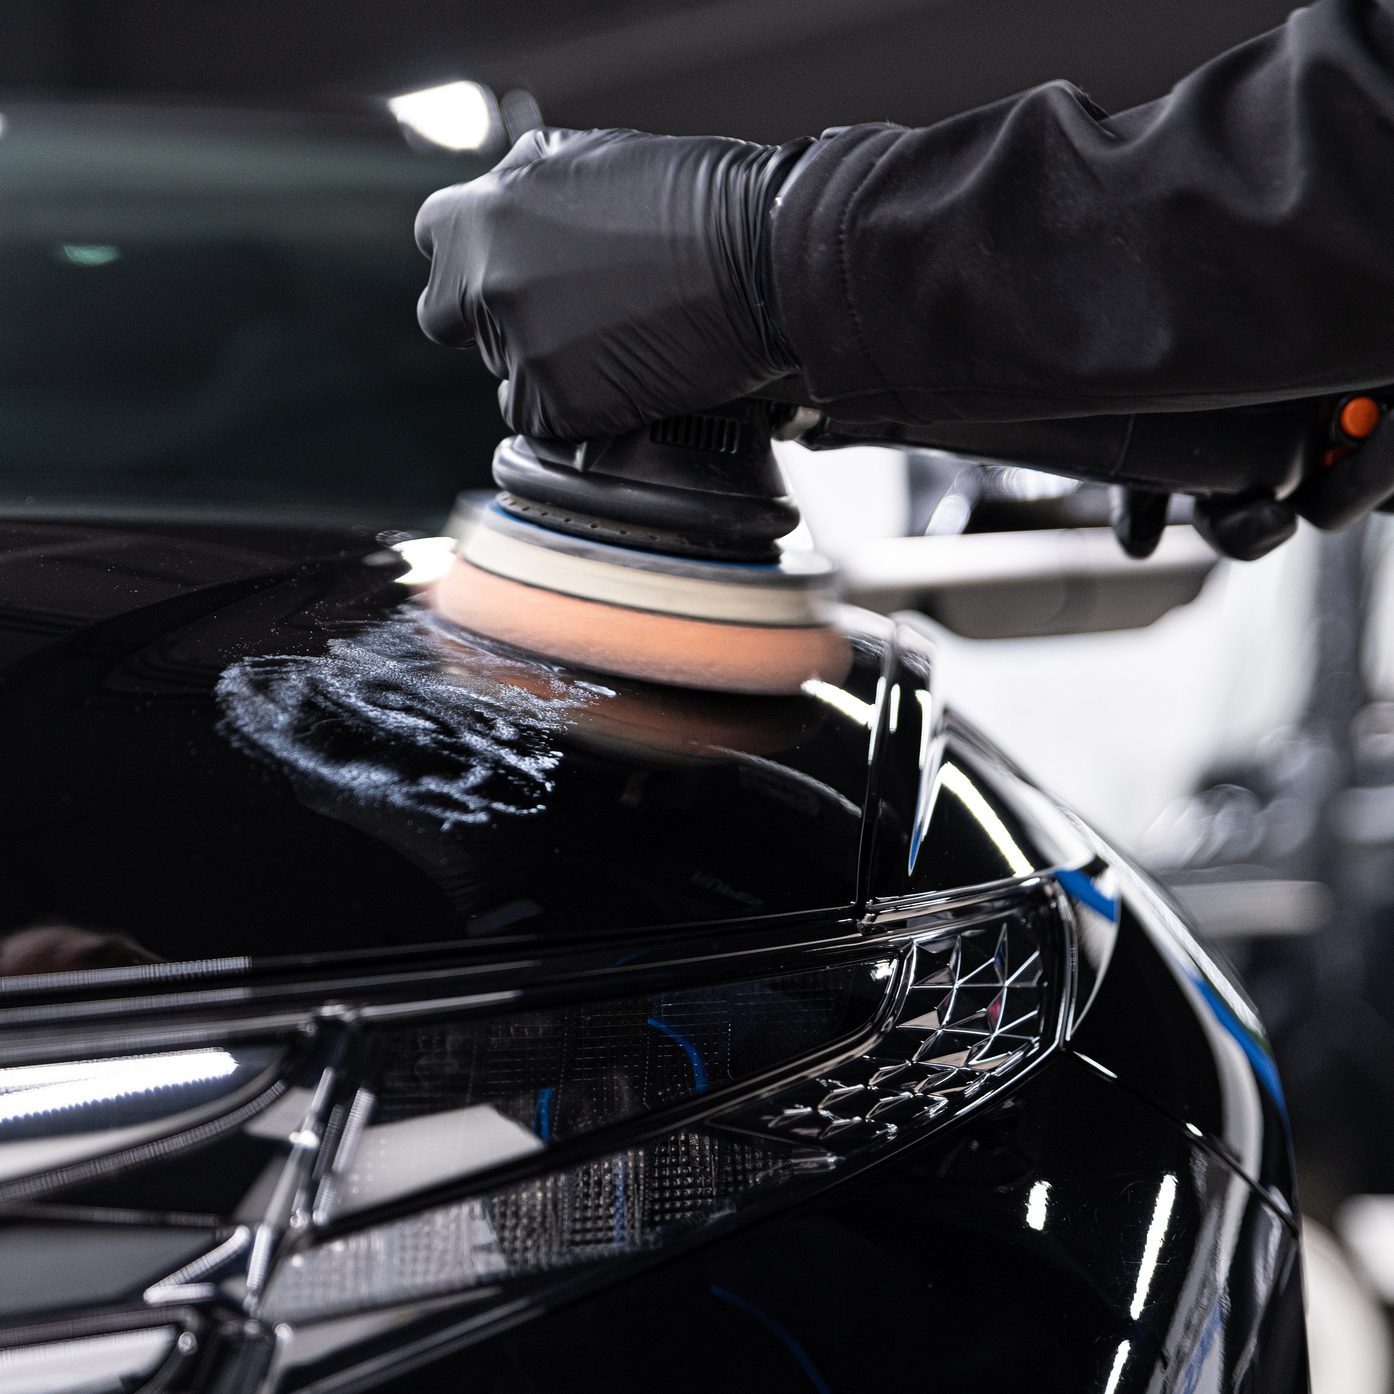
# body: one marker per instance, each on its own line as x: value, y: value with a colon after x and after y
x: 409, y: 712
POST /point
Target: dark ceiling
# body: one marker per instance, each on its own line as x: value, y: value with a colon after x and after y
x: 763, y: 68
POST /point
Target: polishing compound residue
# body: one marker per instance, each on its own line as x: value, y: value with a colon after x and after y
x: 386, y: 718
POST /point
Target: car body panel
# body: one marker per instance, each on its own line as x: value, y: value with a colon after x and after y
x: 264, y: 806
x: 1072, y: 1240
x: 225, y: 703
x: 251, y: 768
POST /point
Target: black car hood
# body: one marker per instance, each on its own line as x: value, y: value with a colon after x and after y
x: 262, y: 742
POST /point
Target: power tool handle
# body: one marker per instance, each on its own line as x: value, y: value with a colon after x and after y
x: 1333, y: 455
x: 1353, y: 475
x: 1240, y: 450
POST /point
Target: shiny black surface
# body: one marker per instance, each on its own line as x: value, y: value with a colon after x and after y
x: 258, y: 754
x: 178, y: 706
x: 939, y: 1269
x: 938, y: 827
x: 1171, y: 1026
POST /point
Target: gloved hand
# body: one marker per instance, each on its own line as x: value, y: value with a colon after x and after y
x: 612, y: 277
x: 1350, y: 481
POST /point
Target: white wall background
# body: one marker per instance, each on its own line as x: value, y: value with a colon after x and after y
x: 1119, y: 724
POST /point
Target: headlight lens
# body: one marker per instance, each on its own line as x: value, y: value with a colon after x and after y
x: 320, y: 1176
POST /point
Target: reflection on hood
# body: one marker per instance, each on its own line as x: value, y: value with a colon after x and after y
x: 408, y: 713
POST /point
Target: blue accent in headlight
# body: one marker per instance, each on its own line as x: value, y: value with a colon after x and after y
x: 543, y: 1126
x: 694, y: 1056
x: 1082, y: 888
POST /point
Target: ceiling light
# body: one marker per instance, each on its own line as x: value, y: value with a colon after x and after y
x: 454, y: 116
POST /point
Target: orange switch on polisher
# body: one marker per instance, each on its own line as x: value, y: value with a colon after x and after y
x: 1358, y: 417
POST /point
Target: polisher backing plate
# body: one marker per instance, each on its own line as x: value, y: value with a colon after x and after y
x: 722, y: 626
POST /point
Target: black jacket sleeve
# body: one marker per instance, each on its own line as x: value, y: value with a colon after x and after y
x: 1230, y: 243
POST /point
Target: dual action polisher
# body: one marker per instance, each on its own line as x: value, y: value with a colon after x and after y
x: 656, y: 555
x: 653, y: 555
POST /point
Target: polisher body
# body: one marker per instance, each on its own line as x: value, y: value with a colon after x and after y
x: 653, y: 557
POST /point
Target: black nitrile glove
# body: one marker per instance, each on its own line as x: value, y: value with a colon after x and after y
x: 612, y: 277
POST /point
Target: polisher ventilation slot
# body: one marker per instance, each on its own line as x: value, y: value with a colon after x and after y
x: 719, y: 434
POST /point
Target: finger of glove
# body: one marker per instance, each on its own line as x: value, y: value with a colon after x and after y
x: 523, y: 410
x: 532, y: 146
x: 440, y: 314
x: 489, y: 337
x: 511, y: 406
x: 535, y: 404
x: 440, y: 207
x: 432, y: 213
x: 1245, y: 529
x: 530, y: 411
x: 448, y: 223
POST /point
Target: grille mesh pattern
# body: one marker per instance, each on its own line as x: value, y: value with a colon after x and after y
x: 573, y: 1069
x: 974, y: 1013
x: 619, y: 1204
x: 976, y: 1007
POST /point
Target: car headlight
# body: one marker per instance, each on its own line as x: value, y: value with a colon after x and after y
x: 297, y: 1178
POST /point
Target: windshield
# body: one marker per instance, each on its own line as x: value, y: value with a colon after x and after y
x: 215, y: 313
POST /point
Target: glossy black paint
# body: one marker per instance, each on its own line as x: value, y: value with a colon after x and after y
x: 1152, y: 1007
x: 229, y: 744
x: 179, y: 705
x: 1174, y: 1028
x: 928, y: 1271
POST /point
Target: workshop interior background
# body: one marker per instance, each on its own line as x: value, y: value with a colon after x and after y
x: 1226, y: 683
